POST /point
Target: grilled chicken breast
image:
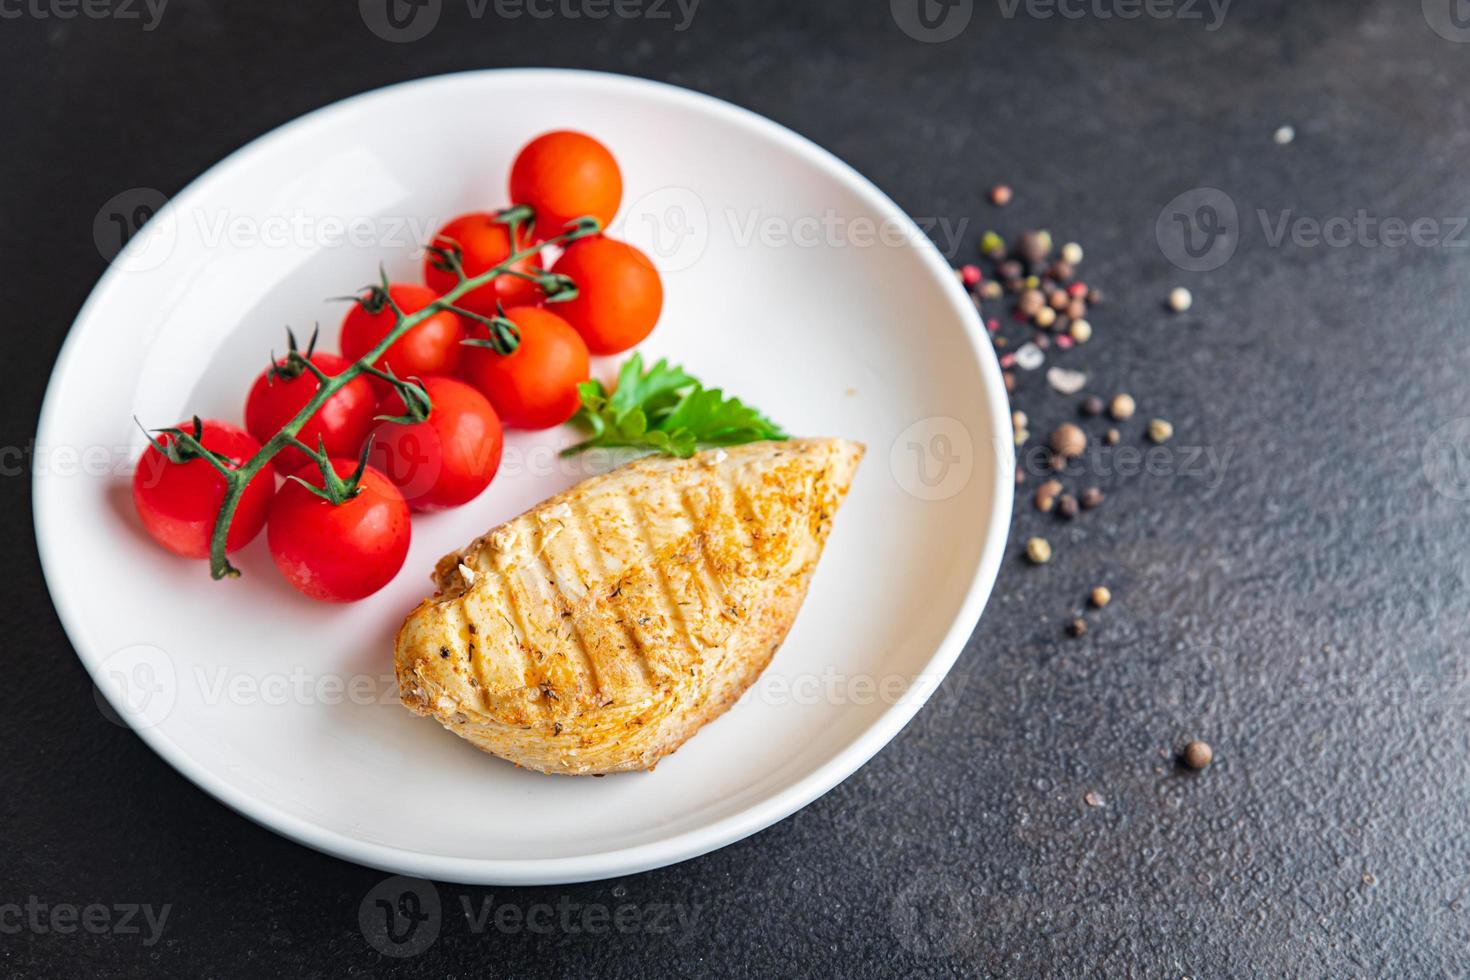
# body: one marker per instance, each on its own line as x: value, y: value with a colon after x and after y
x: 598, y: 631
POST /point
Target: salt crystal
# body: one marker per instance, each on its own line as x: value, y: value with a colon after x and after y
x: 1029, y: 357
x: 1065, y: 381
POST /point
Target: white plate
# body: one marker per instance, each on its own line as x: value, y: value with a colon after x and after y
x: 790, y: 279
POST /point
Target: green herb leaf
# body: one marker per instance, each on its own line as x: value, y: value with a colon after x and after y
x: 666, y: 410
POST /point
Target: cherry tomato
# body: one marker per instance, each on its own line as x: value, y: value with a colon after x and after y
x: 483, y: 243
x: 432, y: 347
x: 448, y: 459
x: 536, y: 386
x: 564, y: 176
x: 619, y: 295
x: 339, y: 552
x: 178, y: 502
x: 342, y: 423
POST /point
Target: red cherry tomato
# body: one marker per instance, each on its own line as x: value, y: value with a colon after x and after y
x: 619, y: 295
x: 432, y: 347
x: 564, y: 176
x: 536, y: 386
x: 178, y: 502
x: 483, y: 243
x: 342, y: 423
x: 342, y: 552
x: 448, y: 459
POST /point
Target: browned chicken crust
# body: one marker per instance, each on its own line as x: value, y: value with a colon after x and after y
x: 601, y: 629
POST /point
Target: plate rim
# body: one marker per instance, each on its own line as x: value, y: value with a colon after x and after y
x: 685, y: 845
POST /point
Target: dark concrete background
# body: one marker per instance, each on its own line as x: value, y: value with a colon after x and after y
x: 1304, y: 609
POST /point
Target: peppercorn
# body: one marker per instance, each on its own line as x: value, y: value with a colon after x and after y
x: 1067, y: 506
x: 1101, y: 596
x: 1058, y: 462
x: 1180, y: 299
x: 990, y: 289
x: 970, y: 275
x: 1045, y: 318
x: 1068, y: 441
x: 1112, y: 437
x: 1077, y: 309
x: 1046, y: 495
x: 1122, y: 407
x: 1010, y: 380
x: 1197, y: 755
x: 1072, y: 253
x: 1092, y: 406
x: 1000, y: 195
x: 1080, y: 331
x: 1059, y: 300
x: 1159, y: 430
x: 1010, y: 269
x: 1035, y: 246
x: 1094, y: 297
x: 1038, y: 550
x: 1031, y: 301
x: 992, y: 246
x: 1078, y: 627
x: 1061, y: 271
x: 1042, y: 341
x: 1020, y: 476
x: 1091, y: 497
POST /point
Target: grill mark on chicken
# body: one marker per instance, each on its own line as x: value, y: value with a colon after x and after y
x: 664, y: 593
x: 518, y: 621
x: 642, y: 599
x: 625, y: 644
x: 567, y: 639
x: 705, y: 563
x: 494, y: 599
x: 631, y: 672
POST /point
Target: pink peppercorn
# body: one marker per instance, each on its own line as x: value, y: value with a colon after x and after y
x: 1065, y: 342
x: 1076, y: 289
x: 1007, y: 360
x: 992, y: 325
x: 970, y: 275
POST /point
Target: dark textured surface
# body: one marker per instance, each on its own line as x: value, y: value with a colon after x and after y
x: 1303, y: 609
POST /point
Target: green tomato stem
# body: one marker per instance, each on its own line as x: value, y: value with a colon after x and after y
x: 239, y: 478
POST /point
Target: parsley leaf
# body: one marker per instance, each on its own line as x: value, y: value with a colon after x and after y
x: 666, y: 410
